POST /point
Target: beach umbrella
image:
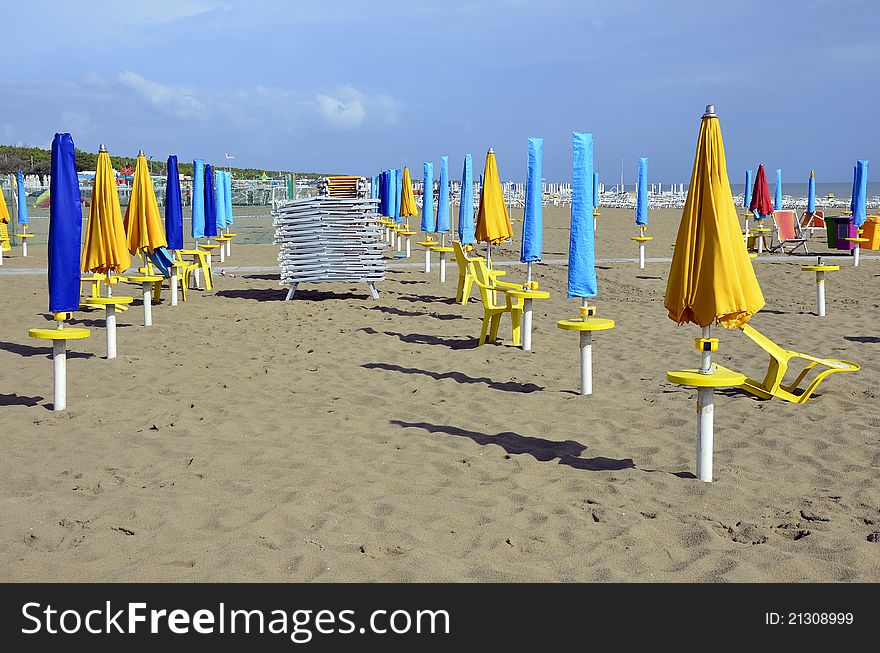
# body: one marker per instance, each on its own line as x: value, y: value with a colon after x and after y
x: 408, y: 208
x: 65, y: 233
x: 4, y: 211
x: 493, y: 221
x: 428, y: 225
x: 384, y: 192
x: 532, y: 233
x: 595, y: 192
x: 443, y: 208
x: 747, y: 189
x: 466, y: 204
x: 581, y: 257
x: 22, y: 201
x: 4, y: 220
x: 210, y: 203
x: 398, y: 189
x: 198, y: 201
x: 858, y: 204
x: 760, y: 205
x: 642, y: 210
x: 220, y: 202
x: 374, y: 187
x: 227, y: 195
x: 811, y: 194
x: 173, y: 206
x: 143, y: 227
x: 777, y: 201
x: 289, y: 187
x: 711, y: 279
x: 106, y: 247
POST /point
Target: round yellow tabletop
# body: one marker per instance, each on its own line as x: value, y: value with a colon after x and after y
x: 408, y: 233
x: 107, y: 301
x: 222, y: 239
x: 230, y: 235
x: 428, y: 243
x: 25, y: 235
x: 208, y: 247
x: 721, y: 378
x: 590, y: 324
x: 146, y: 278
x: 820, y: 268
x: 529, y: 294
x: 70, y: 333
x: 445, y: 250
x: 642, y: 239
x: 857, y: 240
x: 760, y: 230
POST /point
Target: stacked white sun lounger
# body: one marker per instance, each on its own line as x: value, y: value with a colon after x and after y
x: 329, y: 239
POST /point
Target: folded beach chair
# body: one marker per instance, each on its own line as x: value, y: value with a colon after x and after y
x: 465, y: 278
x: 492, y: 312
x: 772, y: 385
x: 788, y: 232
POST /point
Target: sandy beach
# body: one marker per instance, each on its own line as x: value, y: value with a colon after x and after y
x: 338, y: 438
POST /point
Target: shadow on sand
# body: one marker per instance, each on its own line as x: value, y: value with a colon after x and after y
x: 458, y: 377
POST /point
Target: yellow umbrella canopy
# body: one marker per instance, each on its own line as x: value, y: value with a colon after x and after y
x: 105, y: 248
x: 4, y: 212
x: 143, y: 226
x: 493, y: 222
x: 711, y: 278
x: 407, y: 197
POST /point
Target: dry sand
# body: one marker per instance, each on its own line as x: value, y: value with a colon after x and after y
x: 337, y: 438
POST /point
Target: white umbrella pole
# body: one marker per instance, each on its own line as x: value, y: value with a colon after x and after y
x: 110, y: 325
x: 820, y: 293
x: 228, y: 243
x: 427, y: 259
x: 408, y: 245
x: 222, y: 253
x: 59, y: 365
x: 174, y: 285
x: 586, y: 358
x: 442, y: 266
x: 529, y: 273
x: 705, y: 418
x: 856, y: 255
x: 148, y: 304
x: 24, y: 247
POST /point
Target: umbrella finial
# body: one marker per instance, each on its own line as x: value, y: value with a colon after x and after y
x: 102, y: 148
x: 491, y: 151
x: 141, y: 153
x: 710, y: 111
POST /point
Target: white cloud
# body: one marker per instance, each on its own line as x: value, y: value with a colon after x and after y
x: 343, y: 111
x: 75, y: 122
x: 173, y: 101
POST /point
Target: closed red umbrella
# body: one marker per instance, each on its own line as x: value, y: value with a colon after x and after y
x: 761, y: 203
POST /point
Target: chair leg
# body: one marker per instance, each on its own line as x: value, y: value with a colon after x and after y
x: 209, y: 279
x: 496, y: 322
x: 466, y: 291
x: 486, y: 320
x: 459, y: 291
x: 183, y: 282
x: 516, y: 319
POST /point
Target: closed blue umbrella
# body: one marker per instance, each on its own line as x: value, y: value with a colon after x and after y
x: 748, y: 189
x: 65, y: 227
x: 531, y: 249
x: 197, y: 227
x: 386, y: 193
x: 428, y: 199
x: 466, y: 225
x: 581, y: 255
x: 220, y: 201
x: 811, y: 195
x: 443, y: 208
x: 595, y: 190
x: 210, y: 205
x: 398, y: 189
x: 860, y: 196
x: 230, y: 219
x: 777, y: 200
x: 374, y: 187
x: 22, y: 201
x: 173, y: 206
x: 642, y: 194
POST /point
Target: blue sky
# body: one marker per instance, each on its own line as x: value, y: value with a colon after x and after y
x: 355, y: 86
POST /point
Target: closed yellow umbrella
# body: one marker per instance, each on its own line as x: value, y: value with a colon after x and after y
x: 408, y: 207
x: 711, y: 278
x: 4, y: 230
x: 493, y: 221
x: 143, y: 226
x: 105, y: 249
x: 4, y: 212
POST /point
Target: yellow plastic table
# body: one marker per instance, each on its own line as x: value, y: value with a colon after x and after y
x: 24, y: 240
x: 641, y: 240
x: 203, y: 258
x: 442, y: 250
x: 146, y: 281
x: 585, y: 326
x: 428, y: 243
x: 109, y: 304
x: 223, y: 240
x: 720, y: 378
x: 406, y: 233
x: 820, y: 271
x: 59, y: 338
x: 527, y: 296
x: 759, y: 238
x: 858, y: 246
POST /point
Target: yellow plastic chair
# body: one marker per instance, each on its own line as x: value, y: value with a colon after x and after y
x: 492, y: 312
x: 465, y: 278
x: 772, y: 385
x: 199, y: 260
x: 5, y: 243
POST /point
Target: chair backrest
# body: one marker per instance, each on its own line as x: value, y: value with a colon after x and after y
x: 484, y: 282
x: 786, y: 225
x: 460, y: 257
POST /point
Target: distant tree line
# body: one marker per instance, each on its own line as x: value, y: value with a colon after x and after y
x: 37, y: 161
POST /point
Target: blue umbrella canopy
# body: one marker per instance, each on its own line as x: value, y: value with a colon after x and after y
x: 443, y: 208
x: 374, y: 187
x: 811, y: 194
x: 65, y: 227
x: 227, y: 195
x: 385, y: 195
x: 748, y: 190
x: 220, y: 201
x: 210, y: 205
x: 777, y: 200
x: 860, y: 195
x: 198, y: 200
x: 22, y: 200
x: 428, y: 224
x: 173, y: 206
x: 595, y: 189
x: 581, y: 255
x: 533, y: 217
x: 398, y: 189
x: 466, y: 225
x: 642, y: 193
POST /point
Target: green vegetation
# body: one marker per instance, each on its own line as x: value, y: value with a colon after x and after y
x: 37, y: 161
